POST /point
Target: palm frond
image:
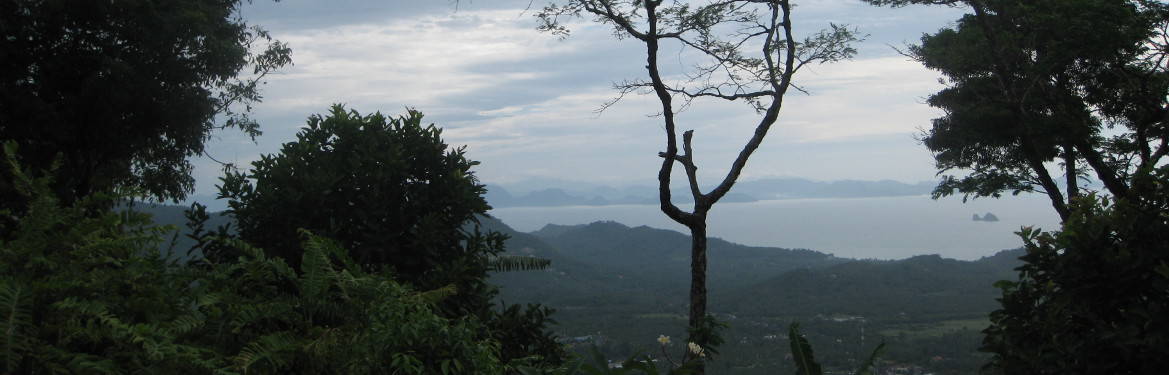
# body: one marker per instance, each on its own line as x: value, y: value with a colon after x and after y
x: 867, y: 366
x: 802, y: 352
x: 509, y: 263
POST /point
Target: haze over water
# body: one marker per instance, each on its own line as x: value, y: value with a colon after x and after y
x: 880, y: 228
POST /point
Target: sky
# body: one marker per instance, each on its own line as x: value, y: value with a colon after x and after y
x: 524, y: 103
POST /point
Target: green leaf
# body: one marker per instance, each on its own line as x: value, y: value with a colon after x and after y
x: 802, y: 352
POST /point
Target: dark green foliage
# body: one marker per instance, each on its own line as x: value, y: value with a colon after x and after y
x: 522, y: 328
x: 1091, y: 299
x: 400, y: 200
x: 336, y: 319
x: 125, y: 91
x: 87, y: 293
x: 708, y: 335
x: 199, y: 239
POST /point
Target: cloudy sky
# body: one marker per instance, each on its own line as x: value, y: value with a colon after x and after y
x: 524, y: 102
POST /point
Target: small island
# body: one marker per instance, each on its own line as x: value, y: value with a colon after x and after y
x: 988, y: 217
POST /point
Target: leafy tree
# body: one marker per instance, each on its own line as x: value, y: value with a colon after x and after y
x: 400, y: 200
x: 1035, y: 82
x: 718, y: 31
x: 387, y: 188
x: 126, y: 91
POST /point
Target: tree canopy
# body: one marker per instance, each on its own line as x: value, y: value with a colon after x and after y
x: 1029, y: 83
x: 125, y: 92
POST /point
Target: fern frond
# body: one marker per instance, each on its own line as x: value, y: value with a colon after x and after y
x: 437, y: 295
x: 16, y: 319
x: 509, y: 263
x: 319, y: 274
x: 184, y: 324
x: 256, y: 313
x: 275, y: 350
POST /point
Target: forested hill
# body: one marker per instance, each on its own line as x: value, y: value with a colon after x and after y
x: 664, y: 255
x: 603, y: 262
x: 612, y: 266
x: 926, y: 287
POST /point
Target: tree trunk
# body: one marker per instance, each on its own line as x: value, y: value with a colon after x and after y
x: 697, y: 284
x: 1069, y: 159
x: 1104, y: 172
x: 1045, y: 180
x: 697, y: 273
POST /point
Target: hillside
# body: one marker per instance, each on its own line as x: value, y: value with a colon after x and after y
x: 611, y: 267
x: 926, y: 287
x: 176, y: 242
x: 663, y: 256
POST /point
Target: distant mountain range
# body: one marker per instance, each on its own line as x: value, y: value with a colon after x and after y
x: 563, y: 194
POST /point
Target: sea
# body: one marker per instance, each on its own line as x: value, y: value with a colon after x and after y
x: 861, y: 228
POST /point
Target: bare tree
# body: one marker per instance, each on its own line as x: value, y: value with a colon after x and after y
x: 747, y: 53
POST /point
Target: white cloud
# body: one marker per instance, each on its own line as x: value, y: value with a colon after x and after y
x: 415, y: 62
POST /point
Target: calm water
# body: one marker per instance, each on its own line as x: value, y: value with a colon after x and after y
x: 882, y: 228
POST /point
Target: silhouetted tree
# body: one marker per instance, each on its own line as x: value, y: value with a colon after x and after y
x: 1034, y: 82
x: 388, y: 189
x: 722, y: 33
x: 126, y: 91
x: 1084, y: 82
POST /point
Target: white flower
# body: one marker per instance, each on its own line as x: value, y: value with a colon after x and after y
x: 697, y: 350
x: 663, y: 339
